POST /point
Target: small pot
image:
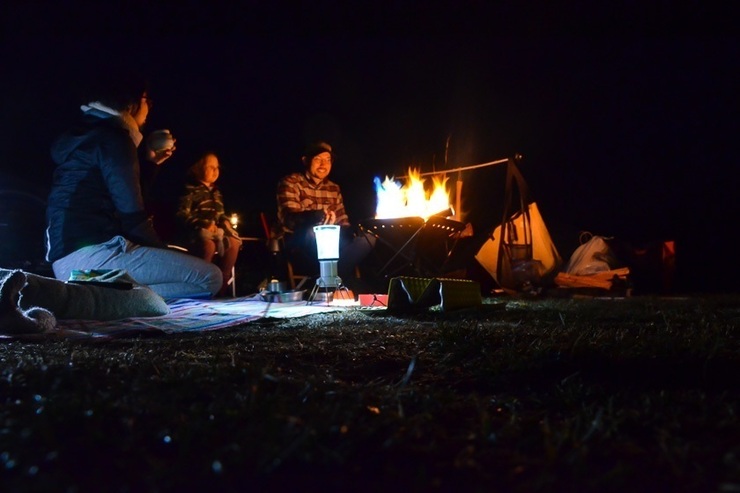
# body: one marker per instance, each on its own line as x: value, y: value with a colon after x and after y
x: 275, y: 286
x: 285, y: 297
x: 290, y: 296
x: 270, y: 297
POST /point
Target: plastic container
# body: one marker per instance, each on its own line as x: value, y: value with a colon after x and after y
x: 373, y: 300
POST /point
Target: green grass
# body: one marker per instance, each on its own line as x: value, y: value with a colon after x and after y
x: 637, y: 394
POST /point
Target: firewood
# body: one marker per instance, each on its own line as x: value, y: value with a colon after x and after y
x: 603, y: 280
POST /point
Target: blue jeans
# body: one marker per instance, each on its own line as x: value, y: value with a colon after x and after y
x: 170, y: 273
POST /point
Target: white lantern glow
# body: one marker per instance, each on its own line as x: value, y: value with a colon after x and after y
x: 327, y: 241
x: 327, y: 248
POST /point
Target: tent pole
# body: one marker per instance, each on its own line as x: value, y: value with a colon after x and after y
x: 463, y: 168
x: 458, y: 197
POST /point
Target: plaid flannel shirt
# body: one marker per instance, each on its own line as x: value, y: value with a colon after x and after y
x: 297, y: 193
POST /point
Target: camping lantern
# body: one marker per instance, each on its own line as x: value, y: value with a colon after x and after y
x: 327, y: 248
x: 234, y: 220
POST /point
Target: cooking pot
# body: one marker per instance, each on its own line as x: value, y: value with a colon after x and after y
x: 284, y: 297
x: 275, y: 286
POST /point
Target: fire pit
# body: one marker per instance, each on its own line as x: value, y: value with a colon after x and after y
x: 415, y: 235
x: 413, y: 245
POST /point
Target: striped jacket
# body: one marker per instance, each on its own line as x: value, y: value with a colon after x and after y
x: 199, y: 206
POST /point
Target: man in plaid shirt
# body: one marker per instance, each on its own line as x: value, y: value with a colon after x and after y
x: 308, y: 198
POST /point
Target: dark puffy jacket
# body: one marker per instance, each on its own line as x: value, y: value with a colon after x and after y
x: 96, y: 192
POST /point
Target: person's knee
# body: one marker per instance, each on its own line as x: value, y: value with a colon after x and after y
x: 214, y: 278
x: 202, y: 248
x: 233, y: 247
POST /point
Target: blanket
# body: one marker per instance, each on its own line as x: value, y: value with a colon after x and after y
x: 33, y: 307
x: 184, y: 316
x: 193, y: 315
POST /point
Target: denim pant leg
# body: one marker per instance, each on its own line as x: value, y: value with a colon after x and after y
x: 169, y: 273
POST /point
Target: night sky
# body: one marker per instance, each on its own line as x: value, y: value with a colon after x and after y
x: 626, y: 118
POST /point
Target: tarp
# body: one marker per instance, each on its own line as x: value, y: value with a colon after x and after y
x: 519, y: 251
x: 544, y: 258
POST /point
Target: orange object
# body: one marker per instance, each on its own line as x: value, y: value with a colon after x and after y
x: 373, y: 300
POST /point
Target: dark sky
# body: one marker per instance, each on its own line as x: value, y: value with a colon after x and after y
x: 626, y: 116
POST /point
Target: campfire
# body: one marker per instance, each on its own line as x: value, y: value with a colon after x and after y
x: 412, y: 199
x: 415, y: 224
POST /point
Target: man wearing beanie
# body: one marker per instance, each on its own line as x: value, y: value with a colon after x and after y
x: 307, y: 199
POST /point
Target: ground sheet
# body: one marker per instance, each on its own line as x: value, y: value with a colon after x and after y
x: 189, y: 315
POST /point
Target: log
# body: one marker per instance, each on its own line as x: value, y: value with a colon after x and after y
x: 603, y: 280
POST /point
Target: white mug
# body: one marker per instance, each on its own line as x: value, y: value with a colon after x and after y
x: 160, y: 140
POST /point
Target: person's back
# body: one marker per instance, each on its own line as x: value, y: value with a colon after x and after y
x: 94, y: 194
x: 95, y: 214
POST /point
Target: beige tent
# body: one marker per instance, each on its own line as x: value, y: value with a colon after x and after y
x: 520, y: 251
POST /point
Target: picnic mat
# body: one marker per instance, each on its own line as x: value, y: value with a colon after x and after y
x: 191, y: 315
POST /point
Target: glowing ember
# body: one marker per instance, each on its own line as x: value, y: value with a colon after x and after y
x: 411, y: 200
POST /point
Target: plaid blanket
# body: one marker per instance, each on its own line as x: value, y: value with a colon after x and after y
x: 191, y: 315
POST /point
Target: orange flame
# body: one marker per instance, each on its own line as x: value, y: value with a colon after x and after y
x: 411, y: 200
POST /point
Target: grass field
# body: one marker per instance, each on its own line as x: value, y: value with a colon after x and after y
x: 522, y: 395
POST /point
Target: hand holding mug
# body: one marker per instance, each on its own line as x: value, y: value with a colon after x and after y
x: 160, y: 146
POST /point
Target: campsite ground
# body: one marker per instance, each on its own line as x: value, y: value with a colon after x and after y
x: 556, y: 394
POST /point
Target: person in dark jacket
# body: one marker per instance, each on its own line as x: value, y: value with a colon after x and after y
x: 201, y: 214
x: 95, y: 213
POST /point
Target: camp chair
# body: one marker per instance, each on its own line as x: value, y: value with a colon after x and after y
x: 295, y: 278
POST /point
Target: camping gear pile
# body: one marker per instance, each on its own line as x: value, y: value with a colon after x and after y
x: 521, y: 256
